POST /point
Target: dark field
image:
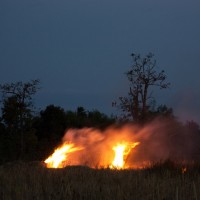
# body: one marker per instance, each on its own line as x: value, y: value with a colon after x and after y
x: 27, y: 181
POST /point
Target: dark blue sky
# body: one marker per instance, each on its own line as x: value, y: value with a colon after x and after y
x: 79, y: 49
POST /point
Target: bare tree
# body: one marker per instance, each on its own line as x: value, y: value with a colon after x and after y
x: 142, y: 76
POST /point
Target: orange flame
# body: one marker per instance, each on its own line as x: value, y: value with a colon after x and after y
x: 59, y: 157
x: 121, y: 152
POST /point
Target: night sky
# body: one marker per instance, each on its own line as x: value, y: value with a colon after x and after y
x: 80, y: 49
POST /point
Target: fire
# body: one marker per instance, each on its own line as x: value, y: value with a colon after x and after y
x: 121, y: 153
x: 108, y: 148
x: 59, y: 157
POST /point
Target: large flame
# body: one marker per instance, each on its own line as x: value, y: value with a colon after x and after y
x: 59, y: 158
x: 108, y: 148
x: 121, y: 152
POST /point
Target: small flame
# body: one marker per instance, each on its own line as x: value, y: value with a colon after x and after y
x: 121, y: 152
x: 59, y: 157
x: 184, y: 170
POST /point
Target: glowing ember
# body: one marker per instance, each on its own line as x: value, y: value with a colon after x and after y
x: 121, y: 152
x: 59, y: 157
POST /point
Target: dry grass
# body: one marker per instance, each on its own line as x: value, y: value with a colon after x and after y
x: 27, y: 181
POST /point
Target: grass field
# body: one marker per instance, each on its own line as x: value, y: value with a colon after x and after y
x: 27, y: 181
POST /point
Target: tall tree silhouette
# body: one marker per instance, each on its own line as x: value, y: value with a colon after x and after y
x: 142, y: 77
x: 17, y: 99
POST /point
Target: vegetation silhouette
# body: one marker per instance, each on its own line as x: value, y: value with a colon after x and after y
x: 142, y: 76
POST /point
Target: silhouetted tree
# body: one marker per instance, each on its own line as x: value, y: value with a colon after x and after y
x: 71, y: 119
x: 142, y: 77
x: 17, y: 99
x: 50, y: 127
x: 161, y: 111
x: 81, y: 112
x: 164, y: 110
x: 100, y: 120
x: 51, y: 123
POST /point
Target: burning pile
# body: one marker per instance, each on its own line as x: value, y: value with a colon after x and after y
x: 93, y: 148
